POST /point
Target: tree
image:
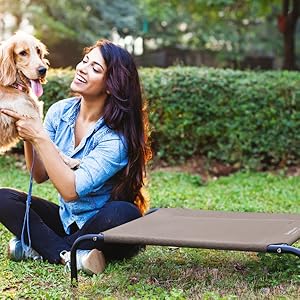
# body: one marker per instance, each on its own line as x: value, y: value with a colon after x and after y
x: 232, y: 28
x: 82, y: 21
x: 15, y: 9
x: 71, y: 25
x: 287, y: 23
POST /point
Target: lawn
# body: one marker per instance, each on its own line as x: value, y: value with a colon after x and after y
x: 166, y: 272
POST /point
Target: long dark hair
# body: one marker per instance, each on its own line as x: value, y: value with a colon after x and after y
x: 125, y: 112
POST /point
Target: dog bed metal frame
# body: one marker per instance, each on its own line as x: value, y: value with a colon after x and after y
x: 180, y: 227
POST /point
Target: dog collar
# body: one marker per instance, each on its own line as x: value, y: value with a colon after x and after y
x: 19, y: 87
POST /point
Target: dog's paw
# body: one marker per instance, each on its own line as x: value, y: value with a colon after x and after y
x: 71, y: 162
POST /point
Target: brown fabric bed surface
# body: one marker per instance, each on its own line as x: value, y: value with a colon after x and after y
x: 208, y: 229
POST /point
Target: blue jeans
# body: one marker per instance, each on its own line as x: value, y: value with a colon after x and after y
x: 48, y: 237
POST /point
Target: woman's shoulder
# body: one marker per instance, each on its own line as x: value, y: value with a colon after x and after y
x: 62, y: 106
x: 114, y: 138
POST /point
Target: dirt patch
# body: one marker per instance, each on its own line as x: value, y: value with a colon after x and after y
x: 197, y: 165
x: 213, y: 169
x: 200, y: 166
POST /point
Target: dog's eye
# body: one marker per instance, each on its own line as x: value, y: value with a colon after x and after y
x: 23, y: 53
x: 38, y: 51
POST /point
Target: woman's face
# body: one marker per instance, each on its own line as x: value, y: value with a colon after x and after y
x: 89, y: 79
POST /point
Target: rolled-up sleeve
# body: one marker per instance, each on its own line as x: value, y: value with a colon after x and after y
x: 104, y: 161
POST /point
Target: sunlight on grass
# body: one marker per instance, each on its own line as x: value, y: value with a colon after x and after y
x: 168, y: 272
x: 243, y: 191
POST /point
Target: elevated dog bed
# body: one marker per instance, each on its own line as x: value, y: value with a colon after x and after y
x: 258, y: 232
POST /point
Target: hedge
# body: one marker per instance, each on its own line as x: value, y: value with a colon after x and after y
x: 249, y: 118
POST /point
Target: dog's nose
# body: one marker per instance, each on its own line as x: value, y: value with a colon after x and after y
x: 42, y: 71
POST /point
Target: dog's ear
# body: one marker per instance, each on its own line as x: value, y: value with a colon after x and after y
x: 44, y: 52
x: 8, y: 71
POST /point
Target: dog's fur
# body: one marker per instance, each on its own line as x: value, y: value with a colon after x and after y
x: 22, y: 60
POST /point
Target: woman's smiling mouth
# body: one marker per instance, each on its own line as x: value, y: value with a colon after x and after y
x: 79, y: 78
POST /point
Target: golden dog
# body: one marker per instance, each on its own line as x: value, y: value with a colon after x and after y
x: 23, y: 69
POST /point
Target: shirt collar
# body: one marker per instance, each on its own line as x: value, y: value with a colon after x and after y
x: 71, y: 114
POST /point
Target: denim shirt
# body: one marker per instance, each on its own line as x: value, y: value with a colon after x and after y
x: 102, y: 153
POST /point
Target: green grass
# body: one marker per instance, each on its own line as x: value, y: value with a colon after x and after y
x: 163, y: 272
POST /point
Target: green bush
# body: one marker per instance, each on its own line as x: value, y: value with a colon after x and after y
x: 57, y: 87
x: 244, y: 117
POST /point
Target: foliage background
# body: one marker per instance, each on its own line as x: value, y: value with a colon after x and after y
x: 246, y: 118
x: 230, y: 29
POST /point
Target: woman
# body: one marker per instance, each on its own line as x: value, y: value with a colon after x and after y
x: 105, y: 130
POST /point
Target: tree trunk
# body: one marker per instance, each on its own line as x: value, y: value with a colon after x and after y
x: 289, y: 30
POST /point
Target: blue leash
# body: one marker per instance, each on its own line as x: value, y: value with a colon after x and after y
x: 26, y: 226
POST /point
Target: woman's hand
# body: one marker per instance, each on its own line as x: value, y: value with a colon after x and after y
x: 29, y: 129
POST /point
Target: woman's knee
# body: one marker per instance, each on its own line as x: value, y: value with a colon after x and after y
x: 6, y: 193
x: 123, y: 210
x: 8, y: 197
x: 112, y: 214
x: 9, y: 193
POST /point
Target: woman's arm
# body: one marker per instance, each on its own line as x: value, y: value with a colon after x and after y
x: 60, y: 174
x: 39, y: 172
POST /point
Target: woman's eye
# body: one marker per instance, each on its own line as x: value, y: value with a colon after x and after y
x: 96, y: 70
